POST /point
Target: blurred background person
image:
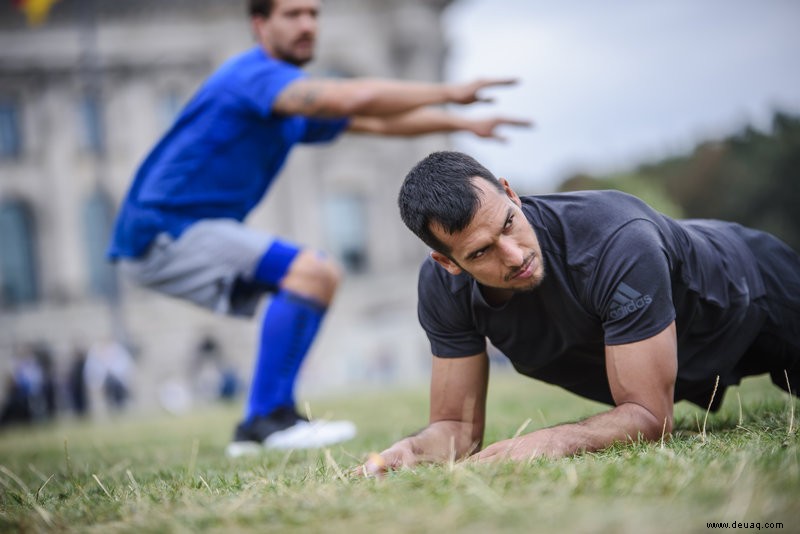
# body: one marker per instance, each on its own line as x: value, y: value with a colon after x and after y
x: 109, y: 377
x: 76, y: 382
x: 180, y: 229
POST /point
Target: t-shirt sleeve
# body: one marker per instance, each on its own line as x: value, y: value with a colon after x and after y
x: 632, y: 290
x: 445, y: 316
x: 261, y: 84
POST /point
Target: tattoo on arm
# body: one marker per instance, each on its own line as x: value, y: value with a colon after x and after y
x: 301, y: 98
x: 310, y: 97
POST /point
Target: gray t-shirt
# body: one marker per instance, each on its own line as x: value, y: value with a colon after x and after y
x: 617, y: 272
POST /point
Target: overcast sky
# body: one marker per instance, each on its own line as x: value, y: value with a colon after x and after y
x: 613, y: 83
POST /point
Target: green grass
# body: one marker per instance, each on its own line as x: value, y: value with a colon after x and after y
x: 167, y: 474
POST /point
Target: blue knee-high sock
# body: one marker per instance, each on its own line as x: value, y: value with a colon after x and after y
x: 288, y: 328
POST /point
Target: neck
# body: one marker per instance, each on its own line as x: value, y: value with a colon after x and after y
x: 495, y: 296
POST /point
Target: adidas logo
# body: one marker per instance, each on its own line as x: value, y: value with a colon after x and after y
x: 627, y: 300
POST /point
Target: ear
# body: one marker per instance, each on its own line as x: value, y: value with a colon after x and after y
x: 449, y: 265
x: 255, y: 27
x: 510, y: 193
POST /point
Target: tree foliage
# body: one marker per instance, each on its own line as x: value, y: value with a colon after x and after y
x: 750, y: 177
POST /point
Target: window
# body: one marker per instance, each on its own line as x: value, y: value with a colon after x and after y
x: 18, y: 268
x: 97, y: 223
x: 170, y: 104
x: 10, y: 137
x: 93, y: 127
x: 346, y: 223
x: 339, y: 72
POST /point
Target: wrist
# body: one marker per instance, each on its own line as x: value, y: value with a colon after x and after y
x: 449, y: 93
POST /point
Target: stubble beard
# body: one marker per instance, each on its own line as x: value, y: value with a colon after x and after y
x: 289, y: 55
x: 535, y: 282
x: 536, y: 279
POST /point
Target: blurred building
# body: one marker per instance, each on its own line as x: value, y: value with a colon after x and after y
x: 83, y: 97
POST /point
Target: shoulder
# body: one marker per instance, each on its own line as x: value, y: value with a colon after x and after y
x: 588, y: 219
x: 251, y: 79
x: 593, y: 236
x: 254, y: 65
x: 435, y: 282
x: 590, y: 207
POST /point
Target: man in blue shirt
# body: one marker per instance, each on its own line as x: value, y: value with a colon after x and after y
x: 179, y: 230
x: 592, y: 291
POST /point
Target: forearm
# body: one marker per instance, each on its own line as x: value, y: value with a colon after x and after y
x: 361, y: 96
x: 373, y: 97
x: 416, y: 122
x: 432, y: 120
x: 379, y: 97
x: 456, y: 419
x: 627, y: 422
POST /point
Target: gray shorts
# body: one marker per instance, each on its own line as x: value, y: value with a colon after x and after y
x: 207, y: 264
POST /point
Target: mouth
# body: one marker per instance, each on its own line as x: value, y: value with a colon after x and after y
x: 525, y: 271
x: 305, y: 42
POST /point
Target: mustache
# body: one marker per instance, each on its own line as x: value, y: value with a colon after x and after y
x: 521, y: 268
x: 308, y: 36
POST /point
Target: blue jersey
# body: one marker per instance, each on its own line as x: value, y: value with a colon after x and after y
x: 220, y: 156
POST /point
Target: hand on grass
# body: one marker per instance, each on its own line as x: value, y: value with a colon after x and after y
x: 395, y: 457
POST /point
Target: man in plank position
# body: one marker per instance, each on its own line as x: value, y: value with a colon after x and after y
x: 595, y: 292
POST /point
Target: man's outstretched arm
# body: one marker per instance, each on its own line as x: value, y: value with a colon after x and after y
x: 374, y: 97
x: 431, y: 120
x: 642, y: 380
x: 457, y: 416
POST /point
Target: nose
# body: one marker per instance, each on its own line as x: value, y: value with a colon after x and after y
x: 510, y: 252
x: 308, y: 23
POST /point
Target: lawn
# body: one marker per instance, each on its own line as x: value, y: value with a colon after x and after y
x: 167, y: 474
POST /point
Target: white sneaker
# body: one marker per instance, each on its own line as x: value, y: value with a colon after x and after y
x: 285, y: 429
x: 311, y: 435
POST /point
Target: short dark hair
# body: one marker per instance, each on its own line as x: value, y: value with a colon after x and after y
x: 440, y: 189
x: 260, y: 8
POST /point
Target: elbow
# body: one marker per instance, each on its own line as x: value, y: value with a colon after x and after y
x: 652, y: 425
x: 657, y: 426
x: 660, y: 429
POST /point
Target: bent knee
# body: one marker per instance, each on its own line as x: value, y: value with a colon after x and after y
x: 313, y: 276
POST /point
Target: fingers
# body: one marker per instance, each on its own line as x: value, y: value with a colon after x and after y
x: 468, y: 93
x: 522, y: 123
x: 488, y: 128
x: 483, y: 84
x: 497, y: 82
x: 491, y: 454
x: 375, y: 465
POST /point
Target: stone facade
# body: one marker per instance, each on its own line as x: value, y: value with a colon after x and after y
x: 90, y: 91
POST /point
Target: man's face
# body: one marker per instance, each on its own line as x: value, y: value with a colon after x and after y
x: 498, y: 248
x: 289, y: 33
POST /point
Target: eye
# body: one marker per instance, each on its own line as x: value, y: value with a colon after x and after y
x: 509, y: 223
x: 478, y: 254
